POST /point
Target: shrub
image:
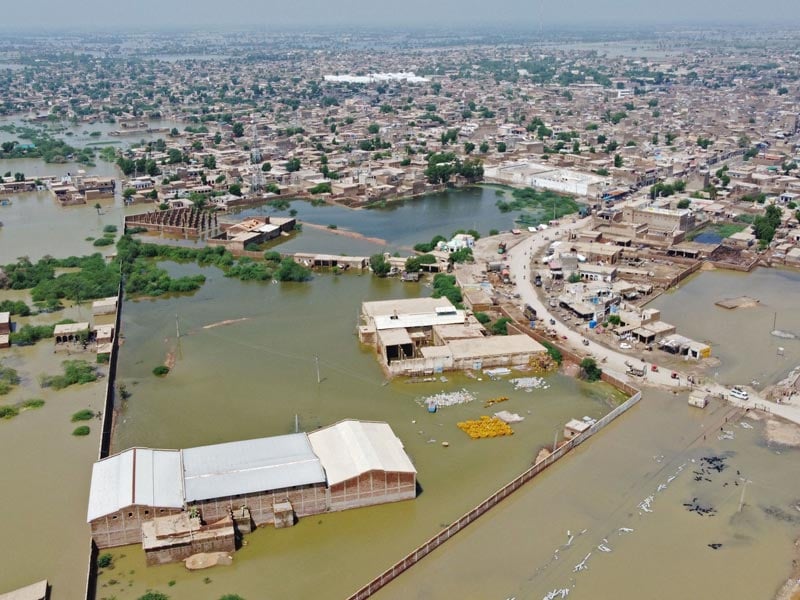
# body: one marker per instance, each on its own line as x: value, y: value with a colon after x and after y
x: 110, y: 229
x: 554, y: 352
x: 81, y: 431
x: 231, y: 597
x: 8, y: 412
x: 153, y: 596
x: 161, y: 370
x: 103, y: 358
x: 482, y: 317
x: 289, y: 270
x: 82, y: 415
x: 32, y: 403
x: 590, y: 369
x: 8, y: 379
x: 500, y: 327
x: 75, y: 372
x: 103, y: 241
x: 105, y: 560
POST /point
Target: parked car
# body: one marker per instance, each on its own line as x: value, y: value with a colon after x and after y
x: 739, y: 393
x: 625, y: 346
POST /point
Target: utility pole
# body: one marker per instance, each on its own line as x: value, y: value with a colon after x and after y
x: 177, y: 327
x: 316, y: 361
x: 555, y: 440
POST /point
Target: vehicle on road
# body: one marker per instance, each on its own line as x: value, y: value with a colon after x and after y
x: 739, y: 393
x: 585, y: 342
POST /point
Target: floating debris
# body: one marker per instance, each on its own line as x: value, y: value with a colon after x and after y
x: 509, y: 417
x: 603, y: 548
x: 485, y: 427
x: 581, y: 566
x: 497, y: 373
x: 715, y: 546
x: 695, y: 507
x: 744, y: 425
x: 493, y: 401
x: 444, y: 399
x: 725, y: 435
x: 529, y: 383
x: 625, y: 530
x: 644, y: 505
x: 558, y: 593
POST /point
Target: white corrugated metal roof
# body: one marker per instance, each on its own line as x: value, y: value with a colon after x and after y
x: 418, y: 320
x: 250, y: 466
x: 350, y: 448
x: 136, y: 476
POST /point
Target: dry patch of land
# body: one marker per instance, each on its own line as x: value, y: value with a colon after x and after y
x: 785, y: 434
x: 740, y: 302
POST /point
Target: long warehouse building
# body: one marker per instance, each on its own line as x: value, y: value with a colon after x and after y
x: 346, y: 465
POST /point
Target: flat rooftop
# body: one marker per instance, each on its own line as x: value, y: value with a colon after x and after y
x: 501, y: 345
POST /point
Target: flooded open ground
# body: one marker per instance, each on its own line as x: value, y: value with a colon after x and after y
x: 598, y: 496
x: 250, y: 379
x: 741, y: 338
x: 255, y: 376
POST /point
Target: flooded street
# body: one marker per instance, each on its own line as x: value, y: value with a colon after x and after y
x: 740, y: 338
x: 595, y: 504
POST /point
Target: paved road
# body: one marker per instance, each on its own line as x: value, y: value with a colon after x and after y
x: 610, y: 360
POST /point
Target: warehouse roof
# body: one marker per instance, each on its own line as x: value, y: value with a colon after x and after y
x: 349, y: 448
x: 250, y: 466
x: 506, y: 345
x: 138, y: 476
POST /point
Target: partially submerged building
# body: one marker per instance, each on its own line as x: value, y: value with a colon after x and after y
x: 271, y: 480
x: 429, y: 335
x: 251, y: 231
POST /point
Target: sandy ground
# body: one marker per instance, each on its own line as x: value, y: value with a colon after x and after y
x: 786, y: 434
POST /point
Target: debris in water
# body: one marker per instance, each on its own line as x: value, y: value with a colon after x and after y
x: 559, y: 593
x: 581, y: 566
x: 715, y: 546
x: 644, y: 505
x: 696, y: 507
x: 625, y: 530
x: 448, y: 399
x: 603, y: 548
x: 529, y: 383
x: 725, y: 435
x: 744, y: 425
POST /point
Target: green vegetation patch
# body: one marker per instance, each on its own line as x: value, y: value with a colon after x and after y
x: 9, y: 378
x: 538, y: 206
x: 15, y: 307
x: 161, y: 370
x: 82, y: 415
x: 445, y: 286
x: 723, y: 230
x: 81, y: 431
x: 75, y: 372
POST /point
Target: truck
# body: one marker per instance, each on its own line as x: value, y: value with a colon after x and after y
x: 529, y: 312
x: 505, y: 275
x: 501, y: 248
x: 634, y: 370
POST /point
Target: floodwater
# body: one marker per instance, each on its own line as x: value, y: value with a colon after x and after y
x: 594, y: 496
x: 741, y: 338
x: 403, y: 224
x: 35, y: 224
x: 45, y: 470
x: 80, y: 134
x: 250, y: 378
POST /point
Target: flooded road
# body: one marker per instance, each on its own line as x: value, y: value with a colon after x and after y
x: 591, y: 509
x: 740, y: 338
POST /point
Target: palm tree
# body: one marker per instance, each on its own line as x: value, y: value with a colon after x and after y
x: 97, y: 207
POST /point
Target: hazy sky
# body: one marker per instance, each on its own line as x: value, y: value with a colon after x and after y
x: 97, y: 14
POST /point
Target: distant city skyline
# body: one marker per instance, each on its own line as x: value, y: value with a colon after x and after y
x: 157, y: 14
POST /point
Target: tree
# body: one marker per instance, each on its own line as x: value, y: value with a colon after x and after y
x: 374, y: 128
x: 468, y: 147
x: 235, y: 189
x: 501, y: 146
x: 590, y: 369
x: 266, y: 167
x: 210, y: 162
x: 684, y: 203
x: 618, y: 161
x: 8, y: 146
x: 500, y: 327
x: 379, y: 265
x: 484, y: 147
x: 127, y: 193
x: 238, y: 129
x: 154, y: 596
x: 174, y: 156
x: 293, y: 165
x: 97, y: 207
